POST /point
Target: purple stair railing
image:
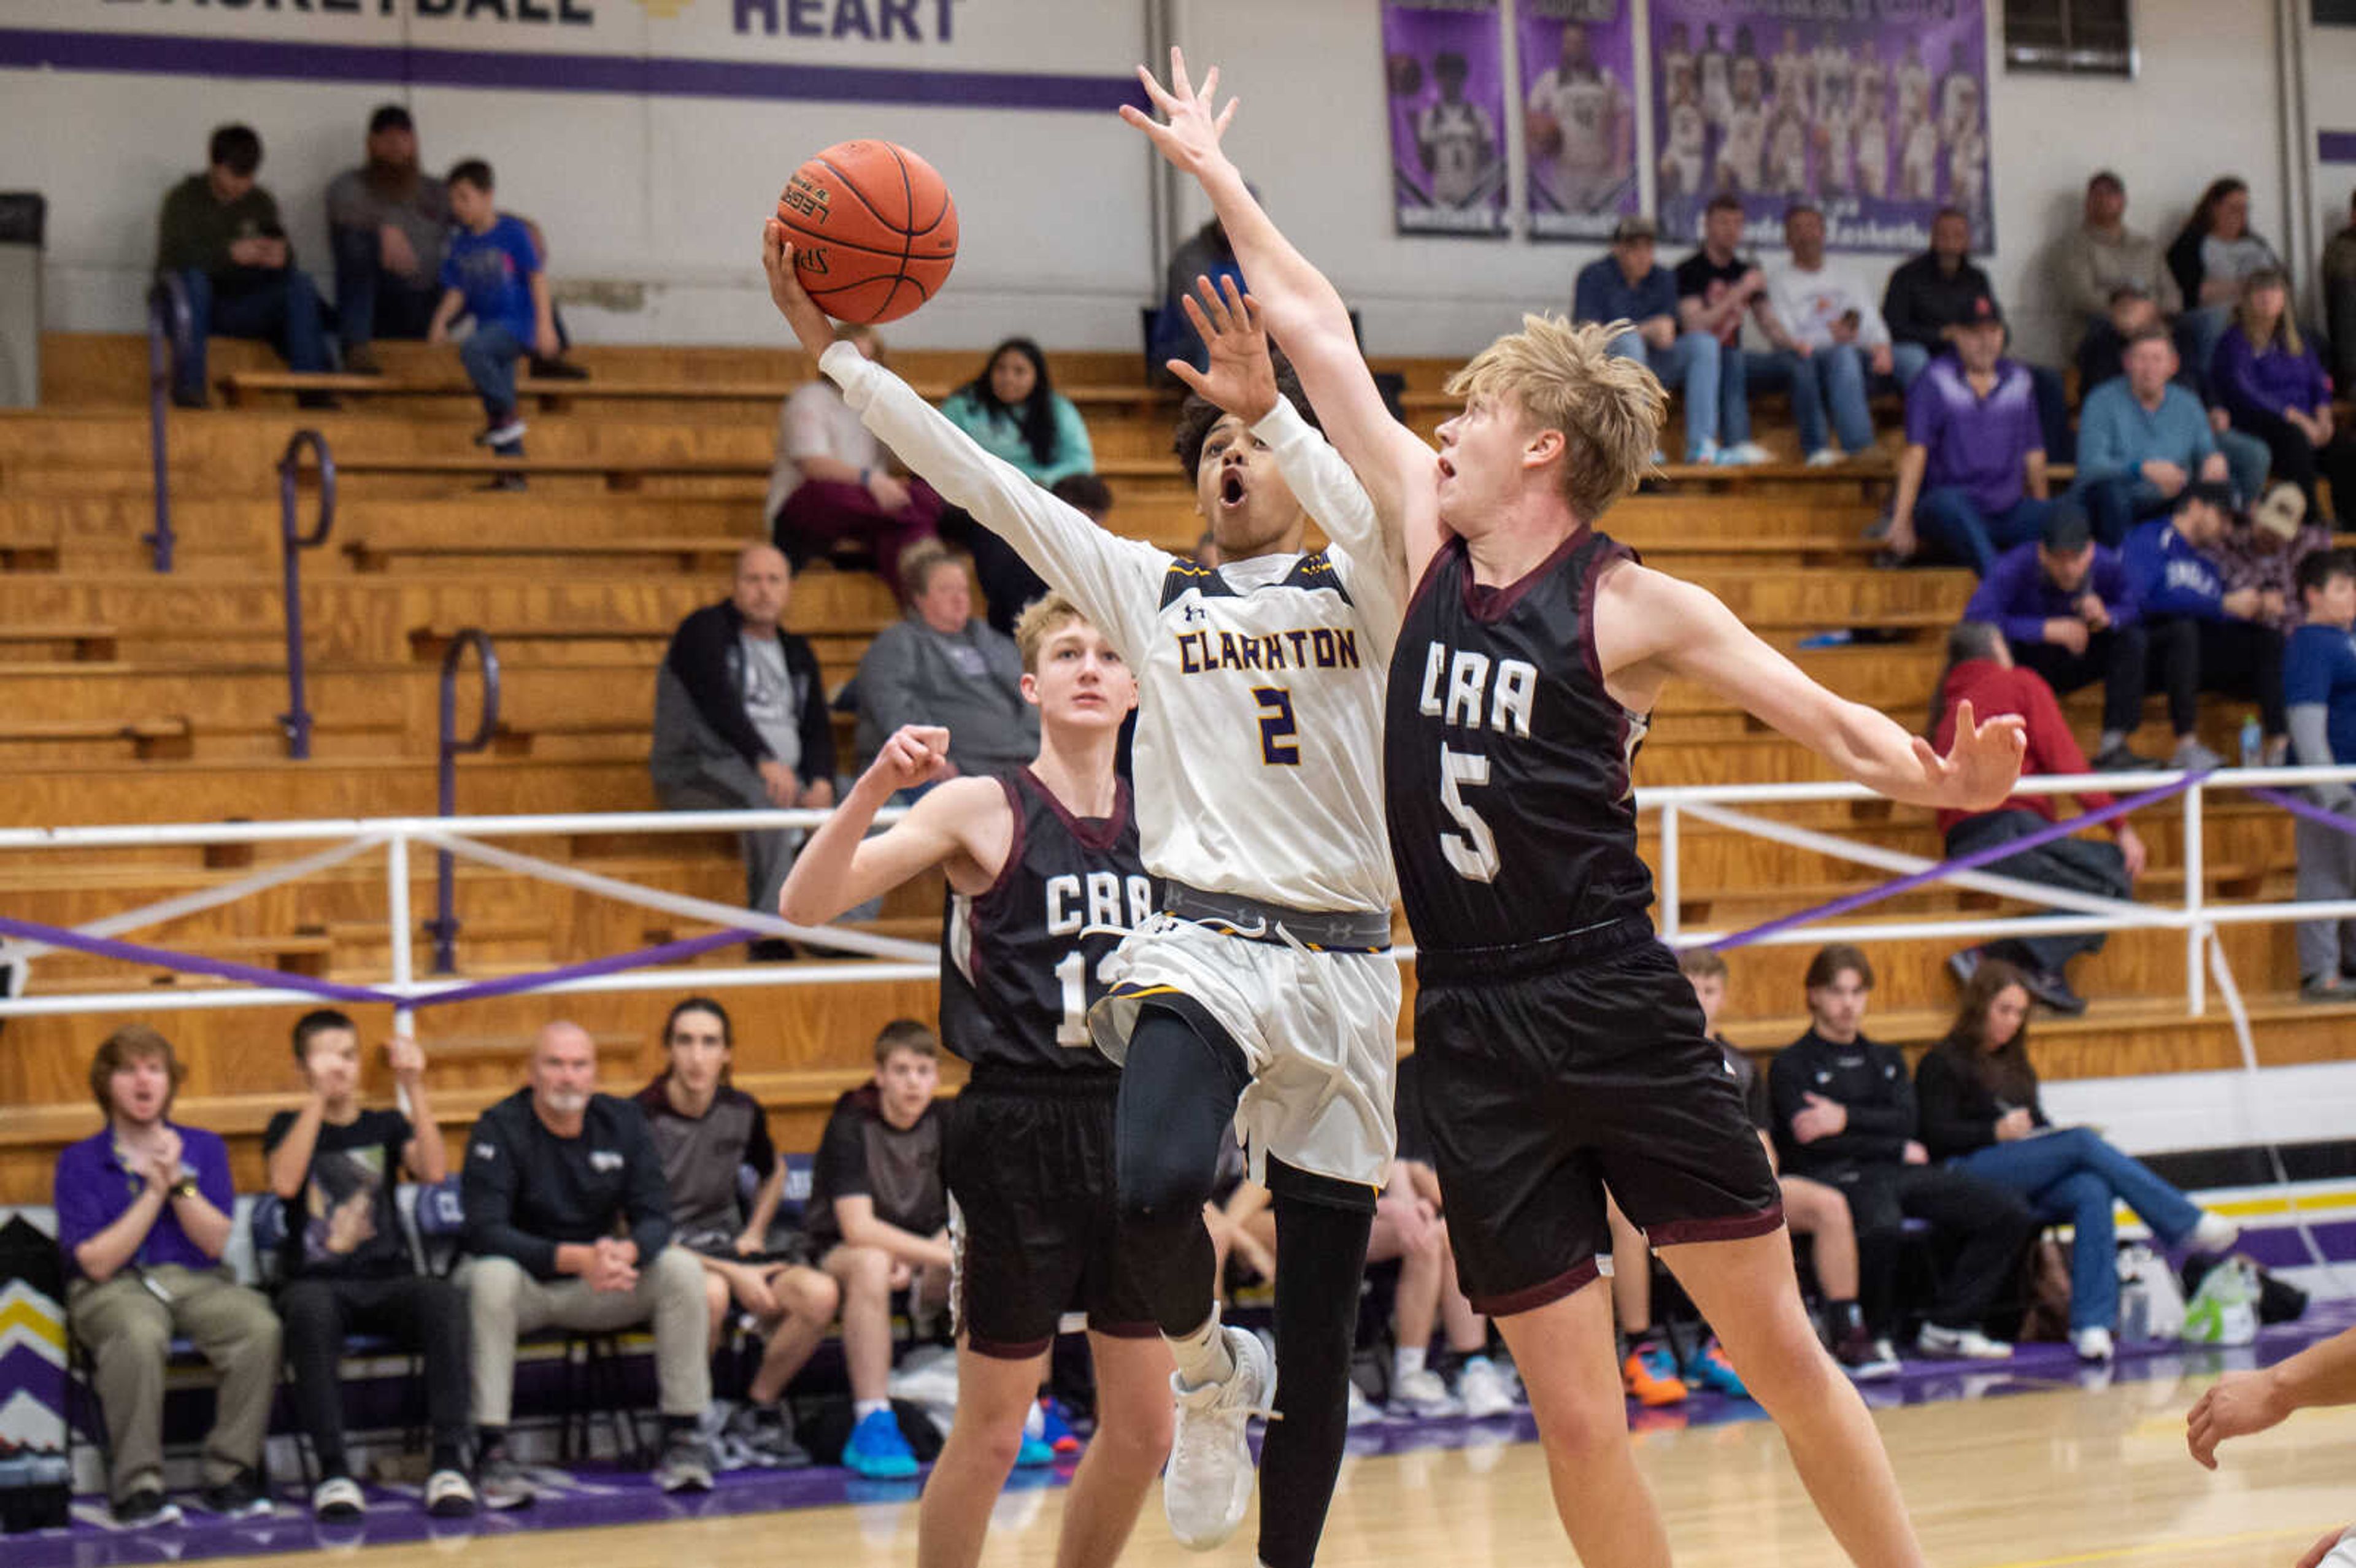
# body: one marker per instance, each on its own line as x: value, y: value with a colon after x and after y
x: 292, y: 542
x: 444, y: 926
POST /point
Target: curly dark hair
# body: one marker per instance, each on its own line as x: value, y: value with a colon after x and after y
x: 1199, y: 414
x: 1035, y: 416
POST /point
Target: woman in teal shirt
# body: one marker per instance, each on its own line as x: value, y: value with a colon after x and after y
x: 1013, y: 411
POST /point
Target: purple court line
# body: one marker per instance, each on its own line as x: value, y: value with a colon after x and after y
x: 158, y: 54
x: 1971, y: 862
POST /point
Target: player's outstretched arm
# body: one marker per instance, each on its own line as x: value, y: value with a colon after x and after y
x: 1305, y: 314
x: 963, y: 826
x: 2244, y: 1402
x: 1649, y: 623
x: 1116, y: 582
x: 1240, y: 378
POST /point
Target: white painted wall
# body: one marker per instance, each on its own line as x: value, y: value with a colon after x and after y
x: 666, y: 192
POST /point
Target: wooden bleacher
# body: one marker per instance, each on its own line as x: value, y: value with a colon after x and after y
x: 139, y: 697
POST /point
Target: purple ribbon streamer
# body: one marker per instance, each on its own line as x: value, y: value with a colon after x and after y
x: 2308, y: 809
x: 645, y: 958
x: 187, y: 963
x: 1972, y: 861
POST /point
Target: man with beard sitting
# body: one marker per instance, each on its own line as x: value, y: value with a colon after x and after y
x: 386, y: 219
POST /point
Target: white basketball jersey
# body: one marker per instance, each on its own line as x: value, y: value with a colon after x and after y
x: 1788, y: 153
x: 1873, y: 155
x: 1585, y: 104
x: 1745, y: 147
x: 1459, y: 137
x: 1794, y: 76
x: 1920, y: 163
x: 1914, y: 92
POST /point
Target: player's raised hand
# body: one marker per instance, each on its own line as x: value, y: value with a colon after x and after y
x: 793, y: 300
x: 1982, y: 766
x: 916, y: 755
x: 1240, y: 377
x: 1191, y: 125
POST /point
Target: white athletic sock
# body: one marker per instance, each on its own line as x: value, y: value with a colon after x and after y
x: 1406, y: 1363
x: 864, y: 1408
x: 1203, y: 1356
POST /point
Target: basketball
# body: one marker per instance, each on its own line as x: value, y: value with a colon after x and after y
x: 1544, y: 134
x: 873, y: 228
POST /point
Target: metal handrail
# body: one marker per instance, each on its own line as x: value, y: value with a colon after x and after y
x: 171, y: 336
x: 444, y: 926
x: 296, y: 720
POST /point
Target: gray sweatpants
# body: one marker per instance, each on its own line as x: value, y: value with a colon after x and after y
x: 2326, y: 869
x: 731, y: 784
x: 505, y: 1302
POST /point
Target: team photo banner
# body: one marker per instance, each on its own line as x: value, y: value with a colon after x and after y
x: 1875, y: 110
x: 1445, y: 78
x: 1578, y: 99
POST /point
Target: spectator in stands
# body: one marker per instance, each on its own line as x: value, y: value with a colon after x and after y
x: 1932, y: 298
x: 832, y: 479
x: 1977, y: 1094
x: 2265, y: 552
x: 387, y: 220
x: 879, y: 1215
x: 1980, y: 671
x: 492, y: 274
x: 568, y: 1226
x: 1811, y: 1208
x: 2102, y: 359
x: 1971, y: 480
x: 1717, y: 288
x: 1825, y: 314
x: 2319, y: 690
x: 741, y: 720
x: 937, y: 665
x: 346, y: 1266
x: 2066, y: 613
x: 143, y: 1210
x: 219, y: 234
x: 2102, y: 352
x: 1844, y: 1110
x: 1013, y: 410
x: 2141, y: 439
x: 2101, y: 257
x: 2214, y: 257
x: 1631, y: 285
x: 2271, y: 381
x: 1427, y: 1290
x: 2203, y: 638
x: 2339, y: 304
x: 709, y: 1134
x: 1205, y: 253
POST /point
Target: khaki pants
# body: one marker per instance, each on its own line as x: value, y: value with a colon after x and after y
x: 504, y: 1303
x: 127, y: 1327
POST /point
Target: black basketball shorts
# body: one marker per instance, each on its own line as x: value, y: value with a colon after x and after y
x: 1034, y: 1215
x: 1557, y: 1069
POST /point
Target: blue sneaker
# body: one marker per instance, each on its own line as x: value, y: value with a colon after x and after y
x: 878, y: 1451
x: 1033, y: 1454
x: 1711, y: 1370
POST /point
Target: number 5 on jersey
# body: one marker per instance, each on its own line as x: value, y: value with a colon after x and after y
x: 1473, y: 851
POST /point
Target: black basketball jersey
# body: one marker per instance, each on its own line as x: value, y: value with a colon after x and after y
x: 1506, y: 763
x: 1020, y: 960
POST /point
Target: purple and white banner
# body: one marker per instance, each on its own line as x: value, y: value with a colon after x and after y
x: 1578, y: 92
x: 1444, y: 64
x: 1874, y: 109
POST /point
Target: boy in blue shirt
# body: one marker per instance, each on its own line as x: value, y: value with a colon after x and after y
x: 2203, y: 637
x: 2319, y: 688
x: 492, y: 272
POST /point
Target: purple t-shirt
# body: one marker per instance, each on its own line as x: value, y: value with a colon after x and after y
x: 1978, y: 445
x: 95, y: 1187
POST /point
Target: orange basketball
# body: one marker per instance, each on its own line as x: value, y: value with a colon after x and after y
x: 874, y: 232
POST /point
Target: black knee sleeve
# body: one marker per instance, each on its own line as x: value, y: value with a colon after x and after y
x: 1322, y: 1226
x: 1178, y: 1093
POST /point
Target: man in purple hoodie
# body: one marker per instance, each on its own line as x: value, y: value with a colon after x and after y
x: 2064, y: 605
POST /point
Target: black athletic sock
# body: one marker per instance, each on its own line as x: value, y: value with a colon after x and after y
x: 446, y: 1456
x: 486, y: 1438
x: 1178, y: 1094
x: 680, y: 1426
x: 1322, y: 1226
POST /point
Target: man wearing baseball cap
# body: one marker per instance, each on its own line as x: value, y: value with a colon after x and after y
x: 1971, y: 482
x: 388, y: 219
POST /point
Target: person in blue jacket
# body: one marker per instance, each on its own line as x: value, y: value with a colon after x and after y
x: 2203, y: 638
x: 2065, y: 608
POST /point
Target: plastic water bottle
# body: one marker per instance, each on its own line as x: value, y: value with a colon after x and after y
x: 2254, y: 742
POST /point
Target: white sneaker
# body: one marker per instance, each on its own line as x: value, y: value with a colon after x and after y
x: 1425, y: 1396
x: 1827, y: 457
x: 2215, y: 1233
x: 1364, y: 1412
x: 1207, y: 1483
x: 1744, y: 455
x: 1938, y: 1344
x: 2092, y: 1344
x: 1482, y: 1388
x: 337, y: 1499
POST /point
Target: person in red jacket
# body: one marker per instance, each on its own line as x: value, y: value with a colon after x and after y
x: 1980, y: 671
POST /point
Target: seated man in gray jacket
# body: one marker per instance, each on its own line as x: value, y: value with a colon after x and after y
x: 741, y: 719
x: 942, y: 664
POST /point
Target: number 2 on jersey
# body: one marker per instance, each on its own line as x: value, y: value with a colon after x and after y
x: 1473, y: 852
x: 1276, y: 728
x: 1072, y: 975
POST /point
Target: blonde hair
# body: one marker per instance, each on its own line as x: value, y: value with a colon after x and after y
x: 2285, y: 333
x: 1565, y: 379
x: 1042, y: 619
